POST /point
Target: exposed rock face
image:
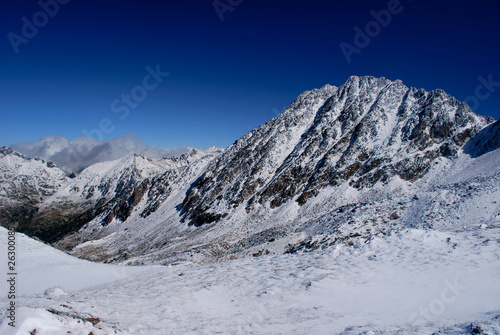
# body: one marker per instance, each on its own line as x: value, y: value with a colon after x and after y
x: 181, y: 169
x: 366, y: 131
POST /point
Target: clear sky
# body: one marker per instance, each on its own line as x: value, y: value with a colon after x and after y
x: 225, y: 76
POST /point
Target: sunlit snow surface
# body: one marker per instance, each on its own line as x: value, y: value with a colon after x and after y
x: 414, y: 281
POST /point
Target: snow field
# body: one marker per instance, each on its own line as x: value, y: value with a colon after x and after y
x: 415, y: 281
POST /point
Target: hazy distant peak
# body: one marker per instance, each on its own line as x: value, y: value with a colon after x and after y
x: 74, y: 156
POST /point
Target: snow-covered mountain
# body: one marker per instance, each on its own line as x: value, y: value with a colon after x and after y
x: 366, y: 131
x: 369, y: 208
x: 341, y: 162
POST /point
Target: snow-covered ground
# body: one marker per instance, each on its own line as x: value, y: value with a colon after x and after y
x: 412, y: 282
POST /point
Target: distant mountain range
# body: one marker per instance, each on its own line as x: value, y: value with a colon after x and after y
x: 74, y: 156
x: 340, y: 164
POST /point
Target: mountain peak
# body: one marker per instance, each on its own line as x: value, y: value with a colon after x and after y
x: 366, y: 81
x: 367, y: 131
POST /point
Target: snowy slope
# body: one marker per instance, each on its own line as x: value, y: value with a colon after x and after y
x: 412, y: 282
x: 47, y: 272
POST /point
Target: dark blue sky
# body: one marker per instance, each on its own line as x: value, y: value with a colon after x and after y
x: 226, y: 77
